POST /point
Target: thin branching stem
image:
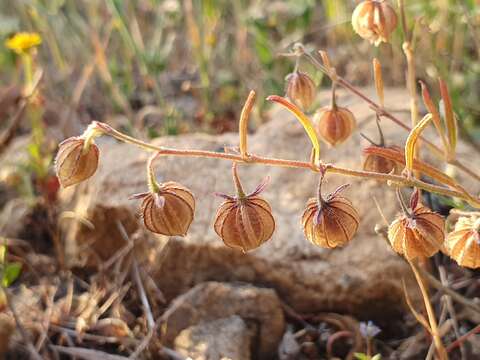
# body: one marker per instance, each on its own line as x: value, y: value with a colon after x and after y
x: 298, y: 48
x: 396, y: 180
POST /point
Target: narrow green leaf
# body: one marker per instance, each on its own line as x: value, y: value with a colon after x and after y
x: 303, y: 119
x: 11, y: 273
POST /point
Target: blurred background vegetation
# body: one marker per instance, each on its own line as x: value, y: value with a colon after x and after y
x: 173, y: 66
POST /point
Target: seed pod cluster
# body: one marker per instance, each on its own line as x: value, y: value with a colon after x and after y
x: 374, y: 20
x: 331, y: 222
x: 334, y: 124
x: 245, y: 221
x: 300, y: 89
x: 169, y: 210
x: 463, y: 243
x: 75, y: 162
x: 419, y: 233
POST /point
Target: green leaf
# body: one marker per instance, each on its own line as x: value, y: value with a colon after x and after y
x: 361, y: 356
x: 377, y: 357
x: 11, y: 273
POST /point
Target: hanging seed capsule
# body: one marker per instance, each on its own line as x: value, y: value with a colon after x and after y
x: 300, y: 89
x: 377, y: 163
x: 463, y: 243
x: 75, y: 161
x: 330, y: 222
x: 374, y: 20
x: 245, y: 221
x: 167, y: 210
x: 334, y: 124
x: 419, y: 232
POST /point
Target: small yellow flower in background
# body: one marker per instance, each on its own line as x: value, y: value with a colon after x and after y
x: 22, y: 42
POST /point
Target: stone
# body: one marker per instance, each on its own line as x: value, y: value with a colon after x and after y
x: 226, y: 338
x: 361, y: 279
x: 209, y: 301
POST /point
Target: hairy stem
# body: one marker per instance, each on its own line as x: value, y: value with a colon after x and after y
x: 389, y: 178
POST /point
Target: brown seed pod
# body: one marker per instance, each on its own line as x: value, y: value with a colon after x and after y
x: 417, y: 233
x: 334, y: 124
x: 330, y: 222
x: 245, y: 221
x: 374, y: 20
x: 463, y: 243
x: 300, y: 89
x: 169, y: 210
x: 379, y: 164
x: 74, y: 162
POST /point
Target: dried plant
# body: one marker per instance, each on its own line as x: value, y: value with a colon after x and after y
x: 245, y: 221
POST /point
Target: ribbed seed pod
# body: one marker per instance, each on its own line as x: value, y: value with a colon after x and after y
x: 379, y: 164
x: 334, y: 124
x: 419, y: 234
x: 374, y: 20
x: 244, y: 222
x: 300, y: 89
x: 168, y: 211
x: 463, y: 243
x: 330, y: 222
x: 74, y: 163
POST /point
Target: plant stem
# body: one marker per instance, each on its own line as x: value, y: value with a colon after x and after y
x: 153, y: 185
x: 442, y: 354
x: 381, y: 111
x: 391, y: 179
x: 236, y: 180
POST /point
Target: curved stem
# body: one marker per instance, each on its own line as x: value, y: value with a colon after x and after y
x: 396, y: 180
x: 236, y: 181
x: 153, y: 185
x: 243, y: 125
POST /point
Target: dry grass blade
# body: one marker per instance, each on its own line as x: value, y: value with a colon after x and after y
x: 420, y: 318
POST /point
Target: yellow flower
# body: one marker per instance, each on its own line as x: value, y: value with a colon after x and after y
x: 22, y: 42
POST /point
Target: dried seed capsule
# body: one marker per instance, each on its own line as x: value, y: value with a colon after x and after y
x: 75, y: 161
x: 334, y: 124
x: 463, y: 244
x: 169, y: 210
x: 374, y: 20
x: 245, y: 221
x: 419, y: 233
x: 330, y: 222
x: 300, y: 89
x: 379, y: 164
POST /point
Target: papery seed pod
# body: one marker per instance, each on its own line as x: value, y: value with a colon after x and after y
x: 300, y: 89
x: 331, y: 222
x: 245, y: 221
x: 75, y: 162
x: 374, y: 20
x: 334, y: 124
x: 169, y: 210
x: 379, y: 164
x: 463, y: 243
x: 418, y: 233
